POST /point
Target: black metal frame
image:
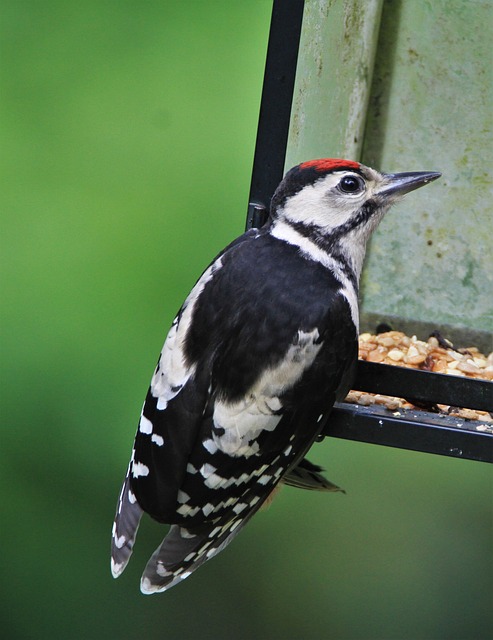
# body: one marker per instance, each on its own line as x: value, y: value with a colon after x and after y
x: 275, y: 107
x: 407, y: 429
x: 415, y: 429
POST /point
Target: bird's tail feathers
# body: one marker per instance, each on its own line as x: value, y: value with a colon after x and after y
x: 125, y: 528
x: 307, y: 475
x: 185, y: 550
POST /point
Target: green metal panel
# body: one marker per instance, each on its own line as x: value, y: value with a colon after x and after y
x: 430, y: 107
x: 430, y: 263
x: 333, y: 78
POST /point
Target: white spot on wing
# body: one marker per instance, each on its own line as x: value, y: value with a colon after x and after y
x: 145, y: 425
x: 187, y: 510
x: 278, y: 473
x: 161, y: 571
x: 234, y: 525
x: 119, y: 541
x: 242, y: 479
x: 240, y: 423
x: 139, y: 469
x: 260, y: 470
x: 207, y: 509
x: 172, y: 372
x: 182, y: 497
x: 157, y: 440
x: 116, y: 568
x: 146, y: 586
x: 204, y: 547
x: 210, y: 445
x: 238, y: 508
x: 207, y: 470
x: 213, y: 481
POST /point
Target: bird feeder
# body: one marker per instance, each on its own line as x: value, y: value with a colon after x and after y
x: 368, y: 81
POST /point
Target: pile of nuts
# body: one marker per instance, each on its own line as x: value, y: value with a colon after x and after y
x: 436, y: 354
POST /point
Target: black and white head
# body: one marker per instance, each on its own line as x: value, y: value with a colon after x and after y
x: 337, y: 204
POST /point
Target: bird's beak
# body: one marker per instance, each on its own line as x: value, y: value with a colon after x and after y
x: 398, y: 184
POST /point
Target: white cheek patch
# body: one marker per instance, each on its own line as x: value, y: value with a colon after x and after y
x: 238, y: 425
x: 321, y: 205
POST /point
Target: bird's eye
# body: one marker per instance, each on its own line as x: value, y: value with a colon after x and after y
x: 351, y: 184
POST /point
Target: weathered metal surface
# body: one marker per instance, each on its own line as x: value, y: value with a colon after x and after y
x: 405, y: 86
x: 430, y: 108
x: 333, y: 78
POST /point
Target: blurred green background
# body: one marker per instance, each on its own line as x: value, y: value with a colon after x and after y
x: 127, y: 137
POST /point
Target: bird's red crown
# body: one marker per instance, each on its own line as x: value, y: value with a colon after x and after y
x: 329, y: 164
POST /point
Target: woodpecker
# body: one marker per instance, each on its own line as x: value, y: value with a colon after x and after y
x: 262, y: 347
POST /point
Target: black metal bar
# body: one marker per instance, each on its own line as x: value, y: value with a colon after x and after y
x: 256, y: 216
x: 415, y: 430
x: 424, y: 386
x: 275, y: 107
